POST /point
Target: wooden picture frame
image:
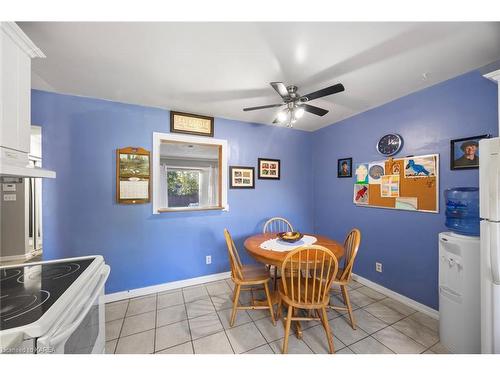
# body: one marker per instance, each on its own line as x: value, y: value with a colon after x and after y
x: 458, y: 150
x: 269, y: 169
x: 238, y: 177
x: 341, y: 172
x: 188, y: 123
x: 133, y: 175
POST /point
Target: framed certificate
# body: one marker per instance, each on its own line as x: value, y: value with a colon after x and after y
x: 133, y: 182
x: 187, y: 123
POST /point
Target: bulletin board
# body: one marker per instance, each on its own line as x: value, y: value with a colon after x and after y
x: 133, y: 175
x: 410, y: 183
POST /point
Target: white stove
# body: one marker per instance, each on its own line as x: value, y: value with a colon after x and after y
x: 53, y: 307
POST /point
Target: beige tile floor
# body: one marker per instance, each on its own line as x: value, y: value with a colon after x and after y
x: 196, y: 320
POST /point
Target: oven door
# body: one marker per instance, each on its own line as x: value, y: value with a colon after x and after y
x: 82, y: 331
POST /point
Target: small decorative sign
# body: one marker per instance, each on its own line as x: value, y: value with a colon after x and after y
x: 269, y: 169
x: 187, y: 123
x: 133, y: 175
x: 242, y: 177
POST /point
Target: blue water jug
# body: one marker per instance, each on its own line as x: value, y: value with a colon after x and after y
x: 462, y: 210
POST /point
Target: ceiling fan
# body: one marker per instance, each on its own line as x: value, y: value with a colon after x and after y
x: 296, y: 104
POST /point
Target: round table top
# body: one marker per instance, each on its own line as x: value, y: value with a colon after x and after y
x: 275, y: 258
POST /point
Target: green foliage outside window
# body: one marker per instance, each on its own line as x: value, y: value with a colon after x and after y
x: 183, y: 182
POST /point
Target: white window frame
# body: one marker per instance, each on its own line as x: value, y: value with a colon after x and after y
x: 158, y: 138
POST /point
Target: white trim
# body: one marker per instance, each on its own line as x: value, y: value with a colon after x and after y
x: 21, y: 39
x: 164, y: 287
x: 20, y: 258
x: 398, y: 297
x: 158, y: 137
x: 493, y: 76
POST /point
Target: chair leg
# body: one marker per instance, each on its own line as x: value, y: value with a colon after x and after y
x: 275, y: 278
x: 235, y: 304
x: 287, y: 329
x: 347, y: 301
x: 269, y: 303
x: 326, y: 325
x: 278, y: 312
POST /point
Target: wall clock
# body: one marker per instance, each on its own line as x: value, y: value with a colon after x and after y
x: 390, y: 144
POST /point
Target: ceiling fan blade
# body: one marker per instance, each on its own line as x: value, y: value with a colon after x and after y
x: 280, y: 88
x: 314, y: 110
x: 262, y: 107
x: 325, y: 92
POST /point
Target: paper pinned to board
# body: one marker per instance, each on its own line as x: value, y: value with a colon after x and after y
x: 407, y: 203
x: 417, y: 167
x: 361, y: 194
x: 375, y: 172
x: 389, y: 186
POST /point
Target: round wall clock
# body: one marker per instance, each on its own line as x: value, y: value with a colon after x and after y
x: 390, y: 144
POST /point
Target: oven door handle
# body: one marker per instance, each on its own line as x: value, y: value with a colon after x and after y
x: 70, y: 328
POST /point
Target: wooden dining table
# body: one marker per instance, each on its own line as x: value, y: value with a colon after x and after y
x: 275, y: 258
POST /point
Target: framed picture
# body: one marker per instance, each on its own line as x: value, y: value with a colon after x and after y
x: 465, y: 152
x: 187, y: 123
x: 269, y: 169
x: 241, y: 177
x: 344, y: 167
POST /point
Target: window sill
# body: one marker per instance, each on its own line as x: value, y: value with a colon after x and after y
x: 183, y: 209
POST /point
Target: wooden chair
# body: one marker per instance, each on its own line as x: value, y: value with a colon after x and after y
x: 245, y: 278
x: 307, y: 276
x: 277, y: 224
x: 351, y: 246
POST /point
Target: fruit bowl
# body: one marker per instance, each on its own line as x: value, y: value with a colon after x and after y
x: 290, y: 236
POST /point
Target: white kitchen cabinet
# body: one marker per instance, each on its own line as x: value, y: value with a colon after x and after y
x: 16, y: 52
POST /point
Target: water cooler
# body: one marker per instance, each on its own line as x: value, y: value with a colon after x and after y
x: 459, y: 273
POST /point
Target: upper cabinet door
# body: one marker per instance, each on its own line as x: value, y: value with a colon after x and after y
x: 16, y: 51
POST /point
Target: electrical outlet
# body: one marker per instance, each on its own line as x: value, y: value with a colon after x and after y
x: 378, y: 267
x: 208, y: 259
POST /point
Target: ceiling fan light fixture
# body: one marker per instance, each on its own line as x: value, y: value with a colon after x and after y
x: 282, y: 116
x: 299, y: 112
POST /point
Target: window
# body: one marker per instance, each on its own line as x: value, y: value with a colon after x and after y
x: 189, y: 173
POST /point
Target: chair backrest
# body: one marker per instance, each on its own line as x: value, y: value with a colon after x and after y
x: 351, y: 246
x: 277, y: 224
x: 234, y: 258
x: 307, y: 274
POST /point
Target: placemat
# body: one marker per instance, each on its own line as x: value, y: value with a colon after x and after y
x: 276, y: 244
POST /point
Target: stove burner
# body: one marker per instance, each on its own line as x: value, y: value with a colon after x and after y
x: 28, y: 291
x: 13, y: 306
x: 9, y: 273
x: 53, y: 273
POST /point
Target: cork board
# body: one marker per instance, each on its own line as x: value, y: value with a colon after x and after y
x: 422, y: 192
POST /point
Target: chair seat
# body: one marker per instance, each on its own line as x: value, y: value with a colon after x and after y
x: 255, y: 273
x: 312, y: 290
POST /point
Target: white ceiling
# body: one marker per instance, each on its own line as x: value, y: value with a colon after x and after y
x: 217, y: 69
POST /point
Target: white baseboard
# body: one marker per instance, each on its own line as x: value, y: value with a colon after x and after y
x: 126, y: 294
x: 398, y: 297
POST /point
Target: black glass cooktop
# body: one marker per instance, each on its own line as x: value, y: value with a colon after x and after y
x: 26, y: 293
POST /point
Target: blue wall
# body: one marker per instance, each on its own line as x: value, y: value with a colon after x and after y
x: 80, y: 136
x: 405, y: 242
x: 80, y: 216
